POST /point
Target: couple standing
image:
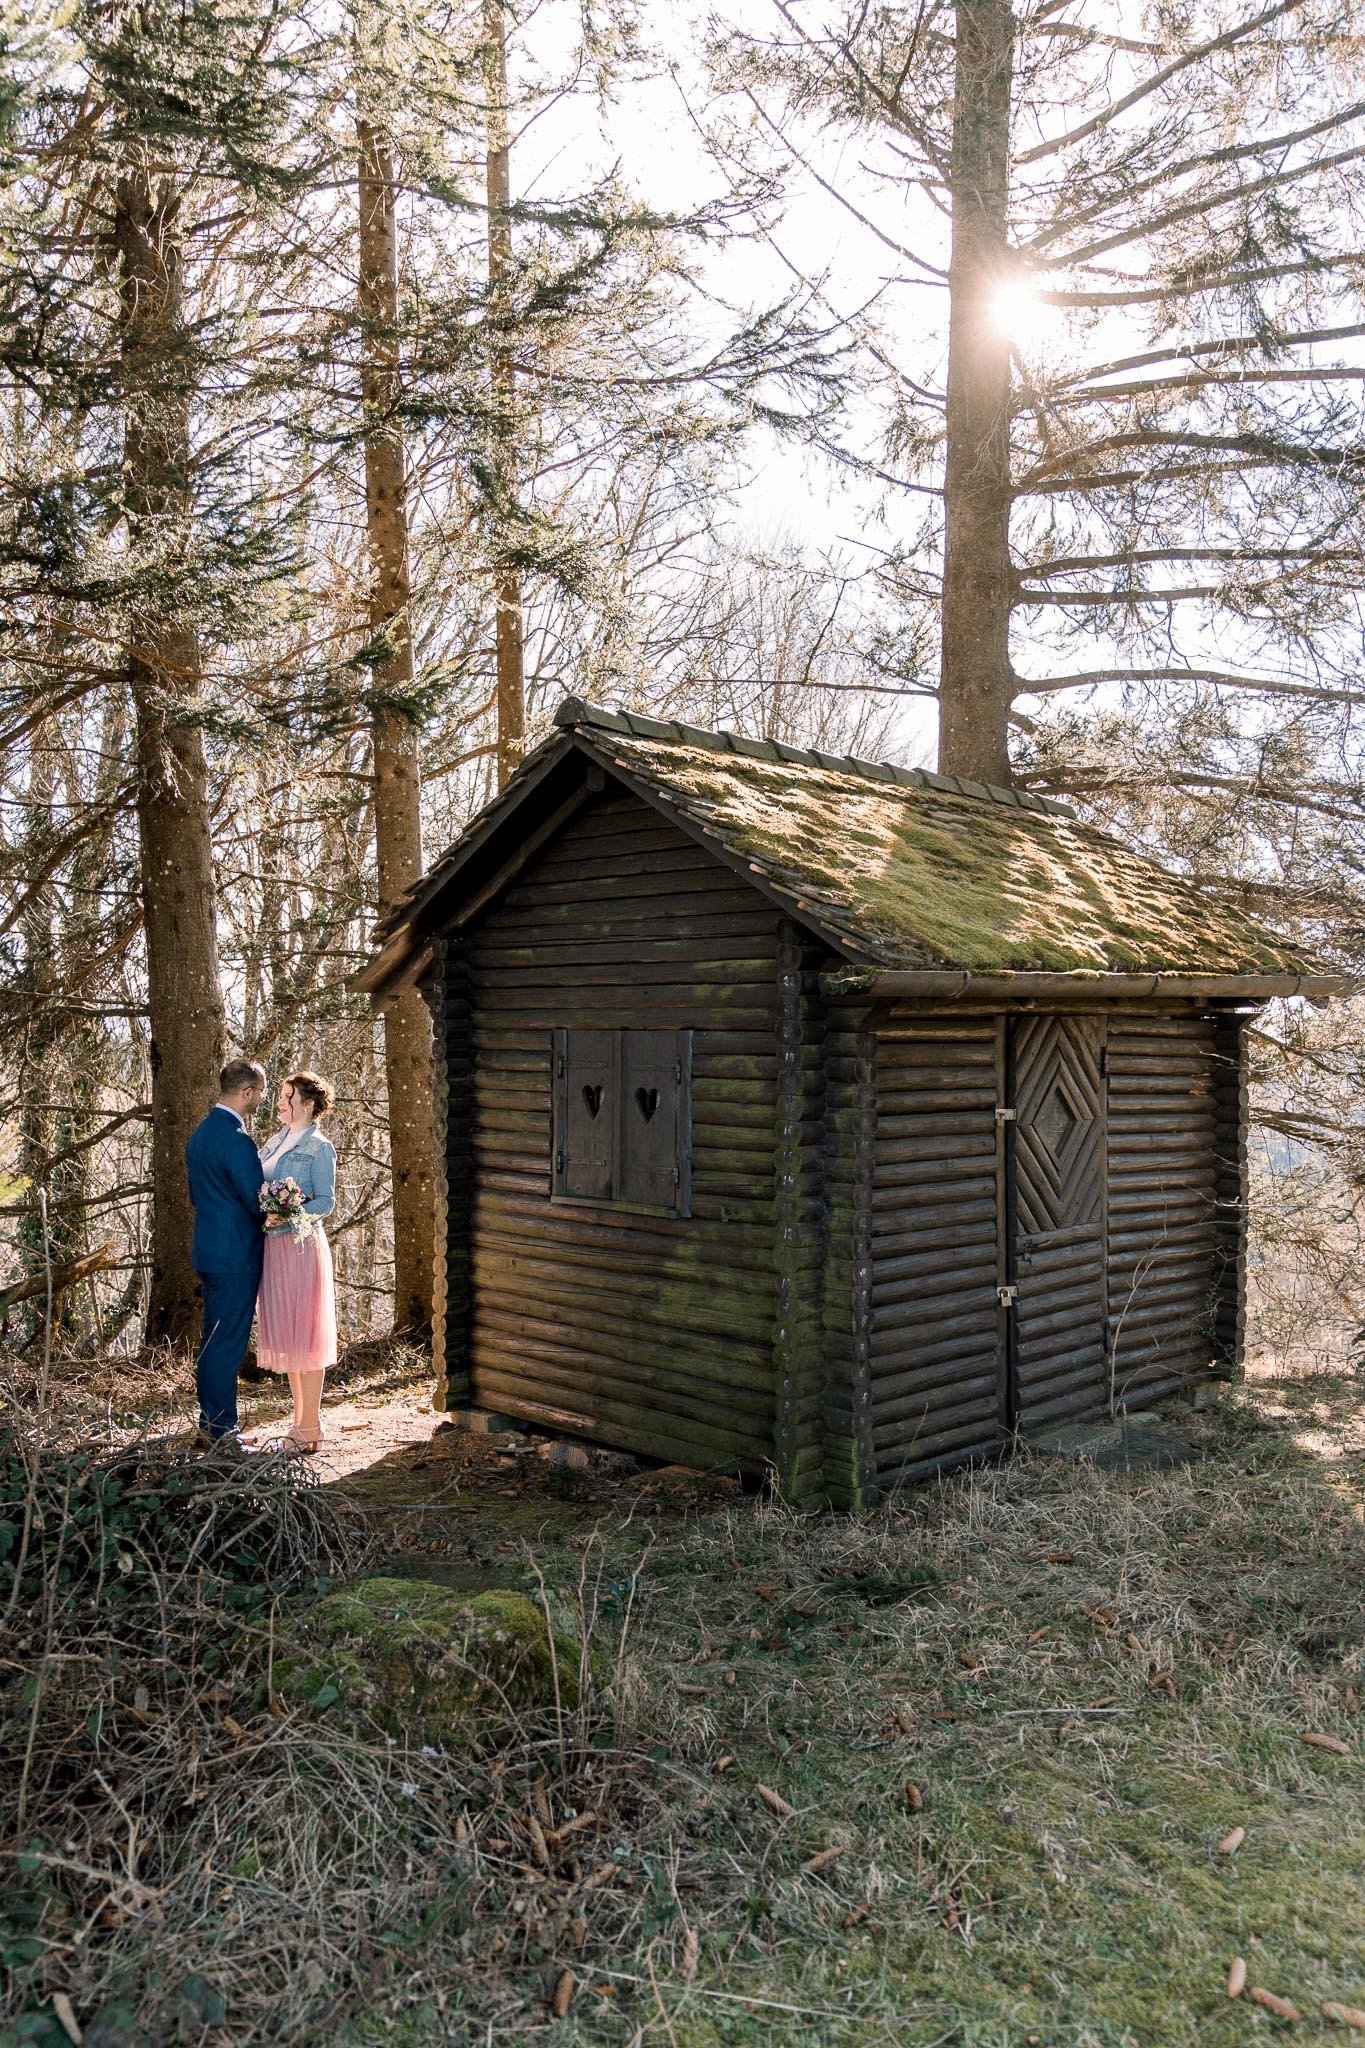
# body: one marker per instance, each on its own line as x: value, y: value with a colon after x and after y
x: 253, y: 1265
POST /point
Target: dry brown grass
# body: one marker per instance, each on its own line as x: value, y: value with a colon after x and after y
x: 187, y: 1859
x: 1088, y: 1679
x: 1095, y: 1679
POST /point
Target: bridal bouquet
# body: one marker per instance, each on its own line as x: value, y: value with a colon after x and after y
x: 285, y: 1198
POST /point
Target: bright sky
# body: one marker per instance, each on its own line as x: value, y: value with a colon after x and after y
x: 651, y: 131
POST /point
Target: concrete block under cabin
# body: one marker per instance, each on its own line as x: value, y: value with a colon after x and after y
x: 824, y: 1117
x: 480, y: 1422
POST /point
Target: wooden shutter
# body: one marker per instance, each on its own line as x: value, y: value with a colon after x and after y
x: 654, y: 1118
x: 585, y: 1114
x: 623, y: 1117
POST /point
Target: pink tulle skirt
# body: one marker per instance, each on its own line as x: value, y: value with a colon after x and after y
x: 296, y: 1316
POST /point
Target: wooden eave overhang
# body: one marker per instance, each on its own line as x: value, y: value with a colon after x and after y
x: 404, y: 936
x: 961, y: 984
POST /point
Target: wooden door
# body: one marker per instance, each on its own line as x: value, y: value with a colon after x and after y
x: 1059, y: 1361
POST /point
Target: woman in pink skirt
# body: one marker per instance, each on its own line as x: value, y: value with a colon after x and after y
x: 296, y: 1319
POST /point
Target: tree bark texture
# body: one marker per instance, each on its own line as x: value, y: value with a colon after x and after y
x: 978, y: 579
x: 394, y: 735
x: 179, y: 898
x: 509, y: 647
x: 46, y: 1076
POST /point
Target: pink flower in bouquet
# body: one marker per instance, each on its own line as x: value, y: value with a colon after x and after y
x: 285, y: 1199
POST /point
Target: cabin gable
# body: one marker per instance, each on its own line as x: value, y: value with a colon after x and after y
x: 623, y: 1319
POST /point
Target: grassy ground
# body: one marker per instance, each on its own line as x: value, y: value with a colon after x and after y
x: 957, y: 1773
x: 1024, y: 1708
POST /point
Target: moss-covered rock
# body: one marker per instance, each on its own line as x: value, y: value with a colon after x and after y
x: 427, y: 1662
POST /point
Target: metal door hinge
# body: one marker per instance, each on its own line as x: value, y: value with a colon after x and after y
x: 1007, y: 1296
x: 1005, y: 1116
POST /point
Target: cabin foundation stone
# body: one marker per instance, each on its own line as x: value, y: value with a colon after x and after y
x: 482, y: 1422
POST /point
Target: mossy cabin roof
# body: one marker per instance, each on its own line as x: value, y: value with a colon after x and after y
x: 895, y: 866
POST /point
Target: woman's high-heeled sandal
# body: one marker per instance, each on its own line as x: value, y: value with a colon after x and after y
x: 307, y: 1446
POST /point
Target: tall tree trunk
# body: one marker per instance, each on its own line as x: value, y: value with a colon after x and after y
x: 978, y: 579
x: 508, y: 629
x: 45, y: 1075
x: 397, y: 772
x: 176, y: 851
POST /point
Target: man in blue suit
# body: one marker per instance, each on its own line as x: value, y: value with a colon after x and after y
x: 229, y: 1241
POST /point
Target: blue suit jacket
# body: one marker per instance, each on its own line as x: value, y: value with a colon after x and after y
x: 225, y: 1186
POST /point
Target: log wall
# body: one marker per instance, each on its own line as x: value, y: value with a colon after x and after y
x: 1162, y: 1215
x: 799, y: 1241
x: 1230, y: 1120
x: 648, y: 1331
x: 452, y: 1108
x: 936, y: 1341
x: 850, y: 1070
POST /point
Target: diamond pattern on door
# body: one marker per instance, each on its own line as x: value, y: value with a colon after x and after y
x: 1059, y: 1123
x: 1054, y: 1120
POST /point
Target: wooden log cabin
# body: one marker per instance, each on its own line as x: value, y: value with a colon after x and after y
x: 823, y: 1117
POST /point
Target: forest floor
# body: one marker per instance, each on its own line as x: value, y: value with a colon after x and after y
x: 968, y: 1770
x: 1024, y: 1708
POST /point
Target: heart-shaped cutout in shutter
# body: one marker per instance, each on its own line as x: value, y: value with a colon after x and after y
x: 648, y: 1100
x: 592, y: 1095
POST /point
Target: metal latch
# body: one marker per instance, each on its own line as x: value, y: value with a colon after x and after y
x: 1005, y: 1116
x: 1007, y: 1296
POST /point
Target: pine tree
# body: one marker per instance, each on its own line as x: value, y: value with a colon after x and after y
x: 287, y: 451
x: 508, y: 624
x: 394, y: 730
x: 1135, y: 246
x: 549, y: 357
x: 140, y: 149
x: 179, y: 895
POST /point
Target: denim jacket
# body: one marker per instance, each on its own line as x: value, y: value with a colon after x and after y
x: 312, y: 1161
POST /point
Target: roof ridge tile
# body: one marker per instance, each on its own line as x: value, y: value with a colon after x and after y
x: 579, y: 711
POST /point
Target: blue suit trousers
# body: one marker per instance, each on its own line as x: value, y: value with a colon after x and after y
x: 229, y: 1305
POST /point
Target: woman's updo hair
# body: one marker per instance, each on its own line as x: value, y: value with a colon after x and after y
x: 319, y: 1094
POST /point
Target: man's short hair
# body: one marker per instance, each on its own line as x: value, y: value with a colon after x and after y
x: 239, y: 1074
